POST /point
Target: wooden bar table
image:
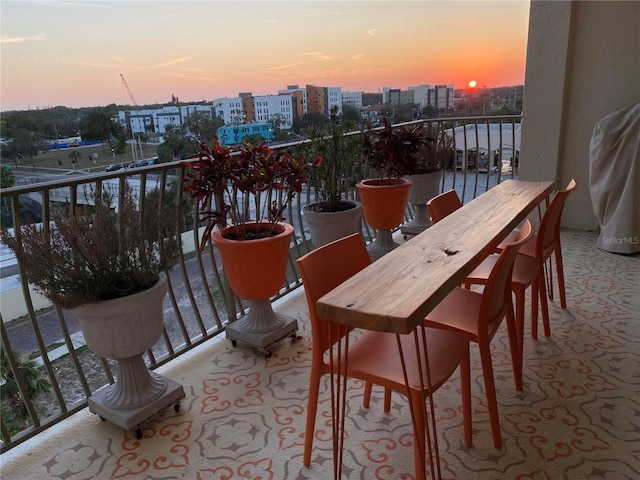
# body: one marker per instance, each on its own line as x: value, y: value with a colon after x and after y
x: 395, y: 293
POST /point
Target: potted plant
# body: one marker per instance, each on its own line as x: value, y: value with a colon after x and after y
x: 242, y: 197
x: 393, y: 153
x: 106, y: 262
x: 426, y: 175
x: 332, y: 215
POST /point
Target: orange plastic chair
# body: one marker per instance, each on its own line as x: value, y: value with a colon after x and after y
x: 442, y: 205
x: 544, y: 244
x: 374, y: 356
x: 478, y: 316
x: 526, y: 271
x: 547, y: 242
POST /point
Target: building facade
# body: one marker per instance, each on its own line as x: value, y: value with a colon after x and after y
x: 235, y: 134
x: 158, y: 119
x: 353, y: 99
x: 278, y: 111
x: 438, y: 96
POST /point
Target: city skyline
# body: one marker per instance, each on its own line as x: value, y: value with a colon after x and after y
x: 71, y: 54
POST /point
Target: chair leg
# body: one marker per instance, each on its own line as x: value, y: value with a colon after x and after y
x: 387, y: 400
x: 465, y: 384
x: 489, y: 386
x: 535, y: 297
x: 542, y: 294
x: 534, y: 308
x: 366, y: 399
x: 520, y: 294
x: 516, y: 355
x: 560, y: 273
x: 312, y: 408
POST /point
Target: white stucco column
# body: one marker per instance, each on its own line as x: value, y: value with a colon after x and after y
x: 582, y: 64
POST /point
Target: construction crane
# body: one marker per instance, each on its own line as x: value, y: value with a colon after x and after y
x: 126, y: 87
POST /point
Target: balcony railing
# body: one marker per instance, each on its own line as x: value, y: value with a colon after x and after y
x: 199, y: 303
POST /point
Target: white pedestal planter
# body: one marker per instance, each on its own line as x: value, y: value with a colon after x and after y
x: 325, y: 227
x: 124, y: 329
x: 425, y: 187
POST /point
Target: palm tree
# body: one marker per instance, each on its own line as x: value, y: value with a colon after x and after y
x: 31, y: 376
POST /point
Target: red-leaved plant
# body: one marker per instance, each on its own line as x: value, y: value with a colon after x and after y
x: 236, y: 188
x: 396, y: 151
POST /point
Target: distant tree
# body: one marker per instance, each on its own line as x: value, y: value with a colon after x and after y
x: 311, y: 121
x: 371, y: 99
x: 254, y: 139
x: 430, y: 111
x: 276, y: 121
x: 351, y: 114
x: 399, y: 113
x: 7, y: 178
x: 202, y: 126
x: 280, y: 135
x: 24, y: 146
x: 98, y: 126
x: 15, y: 122
x: 177, y: 145
x: 143, y: 138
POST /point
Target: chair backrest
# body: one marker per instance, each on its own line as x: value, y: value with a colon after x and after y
x: 442, y: 205
x: 496, y: 296
x: 322, y: 270
x: 549, y: 231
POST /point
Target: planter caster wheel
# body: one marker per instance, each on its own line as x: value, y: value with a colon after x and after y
x: 102, y: 419
x: 138, y: 433
x: 176, y: 408
x: 234, y: 343
x: 267, y: 354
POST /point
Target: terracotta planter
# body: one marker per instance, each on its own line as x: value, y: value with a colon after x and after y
x: 123, y: 329
x: 256, y: 271
x: 325, y: 227
x: 255, y: 268
x: 425, y: 187
x: 383, y: 202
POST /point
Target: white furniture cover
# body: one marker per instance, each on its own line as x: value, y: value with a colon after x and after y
x: 614, y: 179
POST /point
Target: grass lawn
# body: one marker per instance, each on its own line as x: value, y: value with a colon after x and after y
x: 92, y: 158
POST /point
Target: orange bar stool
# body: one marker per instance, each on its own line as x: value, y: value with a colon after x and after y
x: 373, y: 356
x: 545, y: 244
x: 478, y: 316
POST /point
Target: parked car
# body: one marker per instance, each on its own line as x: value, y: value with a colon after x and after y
x: 115, y: 166
x: 144, y: 162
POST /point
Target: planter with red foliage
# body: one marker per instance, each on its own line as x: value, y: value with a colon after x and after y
x: 226, y: 185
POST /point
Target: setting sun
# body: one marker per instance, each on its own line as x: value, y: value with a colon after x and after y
x: 174, y: 66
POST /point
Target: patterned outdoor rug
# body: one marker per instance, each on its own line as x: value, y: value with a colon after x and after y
x: 244, y: 415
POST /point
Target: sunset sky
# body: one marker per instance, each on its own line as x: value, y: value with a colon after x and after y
x: 72, y: 53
